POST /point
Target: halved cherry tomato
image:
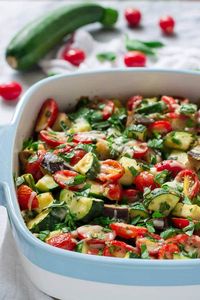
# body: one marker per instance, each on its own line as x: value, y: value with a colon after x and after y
x: 118, y: 249
x: 33, y: 164
x: 47, y: 115
x: 130, y: 195
x: 88, y: 137
x: 65, y: 179
x: 63, y: 241
x: 78, y: 154
x: 171, y: 103
x: 152, y: 246
x: 110, y: 170
x: 144, y: 180
x: 63, y: 150
x: 167, y: 251
x: 112, y: 191
x: 173, y: 166
x: 128, y: 231
x: 96, y: 233
x: 180, y: 222
x: 53, y: 138
x: 27, y: 198
x: 133, y: 102
x: 190, y: 180
x: 108, y: 108
x: 140, y: 149
x: 161, y: 127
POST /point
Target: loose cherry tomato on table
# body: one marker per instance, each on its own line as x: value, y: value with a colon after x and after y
x: 167, y: 24
x: 170, y: 102
x: 161, y: 127
x: 180, y: 222
x: 27, y: 198
x: 190, y: 181
x: 130, y: 195
x: 88, y: 137
x: 133, y: 102
x: 118, y: 249
x: 66, y: 179
x: 74, y: 55
x: 53, y: 138
x: 33, y: 164
x: 173, y: 166
x: 95, y: 232
x: 135, y: 59
x: 128, y: 231
x: 144, y: 180
x: 63, y: 241
x: 110, y: 170
x: 10, y: 91
x: 112, y: 191
x: 133, y: 16
x: 47, y: 115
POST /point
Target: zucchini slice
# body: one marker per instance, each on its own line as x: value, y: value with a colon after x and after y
x: 44, y: 199
x: 80, y: 125
x: 46, y: 183
x: 128, y: 163
x: 88, y: 165
x: 161, y: 200
x: 187, y: 211
x: 152, y: 108
x: 138, y: 209
x: 181, y: 157
x: 96, y: 189
x: 82, y: 247
x: 40, y: 222
x: 179, y: 140
x: 138, y: 132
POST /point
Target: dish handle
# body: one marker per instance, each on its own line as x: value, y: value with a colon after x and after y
x: 4, y: 147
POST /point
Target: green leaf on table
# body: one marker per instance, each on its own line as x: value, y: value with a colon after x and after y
x: 153, y: 44
x: 106, y: 56
x: 145, y: 47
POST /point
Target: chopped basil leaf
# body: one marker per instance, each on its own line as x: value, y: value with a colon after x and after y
x: 164, y: 206
x: 135, y: 220
x: 156, y: 215
x: 42, y: 235
x: 150, y: 227
x: 160, y: 178
x: 186, y: 200
x: 188, y: 108
x: 189, y: 229
x: 19, y: 181
x: 155, y: 143
x: 170, y: 232
x: 76, y: 180
x: 133, y: 171
x: 144, y: 252
x: 106, y: 56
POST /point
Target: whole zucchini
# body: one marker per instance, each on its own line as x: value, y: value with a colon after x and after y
x: 41, y: 35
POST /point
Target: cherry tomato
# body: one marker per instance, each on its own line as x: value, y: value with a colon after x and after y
x: 170, y: 165
x: 128, y: 231
x: 167, y: 251
x: 65, y: 179
x: 140, y: 149
x: 133, y: 102
x: 33, y: 164
x: 108, y: 108
x: 78, y: 154
x: 27, y: 198
x: 161, y: 127
x: 171, y: 103
x: 95, y: 233
x: 190, y: 180
x: 135, y: 59
x: 10, y: 91
x: 133, y: 16
x: 63, y: 150
x: 74, y: 56
x: 167, y: 24
x: 88, y: 137
x: 63, y: 241
x: 152, y: 247
x: 144, y: 180
x: 53, y: 138
x: 177, y: 120
x: 130, y: 195
x: 47, y: 115
x: 180, y: 222
x: 110, y: 170
x: 112, y: 191
x: 117, y: 249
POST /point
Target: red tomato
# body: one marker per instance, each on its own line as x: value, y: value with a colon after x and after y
x: 63, y: 241
x: 133, y: 16
x: 140, y: 149
x: 74, y: 56
x: 95, y: 233
x: 135, y: 59
x: 171, y: 103
x: 128, y: 231
x: 152, y: 247
x: 108, y: 108
x: 27, y: 198
x: 144, y: 180
x: 53, y: 138
x: 167, y: 24
x: 130, y: 195
x: 47, y: 115
x: 10, y: 91
x: 65, y: 179
x: 133, y: 102
x: 117, y: 249
x: 88, y: 137
x: 110, y: 170
x: 180, y: 222
x: 112, y: 191
x: 170, y: 165
x: 190, y: 180
x: 167, y: 251
x: 33, y: 164
x: 161, y: 127
x: 63, y: 150
x: 78, y: 154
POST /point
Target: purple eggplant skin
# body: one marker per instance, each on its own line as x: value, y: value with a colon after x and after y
x: 139, y: 119
x: 53, y: 163
x: 115, y: 211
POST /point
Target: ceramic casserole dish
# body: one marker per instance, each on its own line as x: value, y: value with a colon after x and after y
x: 70, y: 275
